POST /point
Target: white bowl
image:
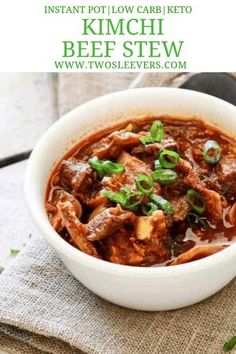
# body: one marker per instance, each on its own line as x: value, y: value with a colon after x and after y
x: 153, y: 288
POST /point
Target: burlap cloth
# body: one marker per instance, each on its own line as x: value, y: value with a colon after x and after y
x: 43, y: 309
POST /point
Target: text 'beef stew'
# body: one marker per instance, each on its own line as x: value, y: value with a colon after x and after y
x: 147, y: 192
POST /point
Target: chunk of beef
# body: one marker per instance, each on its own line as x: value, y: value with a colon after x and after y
x: 133, y: 166
x: 231, y: 215
x: 99, y: 209
x: 146, y: 248
x: 148, y: 226
x: 108, y: 221
x: 54, y: 215
x: 213, y: 202
x: 181, y: 207
x: 187, y: 178
x: 93, y: 200
x: 130, y: 251
x: 78, y: 231
x: 194, y: 155
x: 76, y: 175
x: 188, y: 175
x: 112, y: 145
x: 212, y: 182
x: 227, y: 176
x: 196, y: 252
x: 212, y: 199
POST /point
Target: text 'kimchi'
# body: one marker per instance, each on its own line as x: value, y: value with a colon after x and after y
x: 157, y: 191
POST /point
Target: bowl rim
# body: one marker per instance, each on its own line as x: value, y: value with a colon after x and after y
x: 67, y: 250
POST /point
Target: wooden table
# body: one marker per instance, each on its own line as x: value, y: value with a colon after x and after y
x: 29, y: 104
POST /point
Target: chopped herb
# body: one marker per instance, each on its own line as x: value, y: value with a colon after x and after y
x: 144, y: 184
x: 14, y: 251
x: 157, y: 131
x: 155, y: 134
x: 1, y: 269
x: 149, y: 208
x: 164, y: 176
x: 168, y: 158
x: 30, y: 235
x: 105, y: 167
x: 195, y: 201
x: 162, y: 204
x: 212, y: 152
x: 126, y: 197
x: 147, y: 139
x: 230, y: 344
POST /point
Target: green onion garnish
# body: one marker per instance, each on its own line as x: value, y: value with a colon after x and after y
x: 211, y: 152
x: 147, y: 139
x: 1, y: 269
x: 14, y: 251
x: 105, y: 167
x: 162, y: 204
x: 168, y: 158
x: 164, y: 176
x: 155, y: 134
x: 126, y: 197
x: 149, y: 208
x: 196, y: 201
x: 144, y: 184
x: 230, y: 344
x: 157, y: 131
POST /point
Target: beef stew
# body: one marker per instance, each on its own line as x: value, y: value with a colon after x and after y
x: 156, y: 191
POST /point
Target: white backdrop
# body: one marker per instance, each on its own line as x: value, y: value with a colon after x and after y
x: 32, y: 40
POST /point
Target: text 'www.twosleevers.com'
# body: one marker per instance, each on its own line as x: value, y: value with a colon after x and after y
x: 121, y: 65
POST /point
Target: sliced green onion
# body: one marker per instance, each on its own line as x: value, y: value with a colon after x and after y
x: 157, y: 131
x: 164, y: 176
x: 112, y: 168
x: 95, y: 163
x: 155, y: 134
x: 196, y: 201
x: 168, y: 158
x: 144, y: 184
x: 1, y: 269
x: 105, y: 167
x: 125, y: 197
x: 230, y: 344
x: 147, y: 139
x: 114, y: 196
x: 149, y: 208
x: 162, y: 204
x: 14, y: 251
x: 133, y: 199
x: 211, y: 152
